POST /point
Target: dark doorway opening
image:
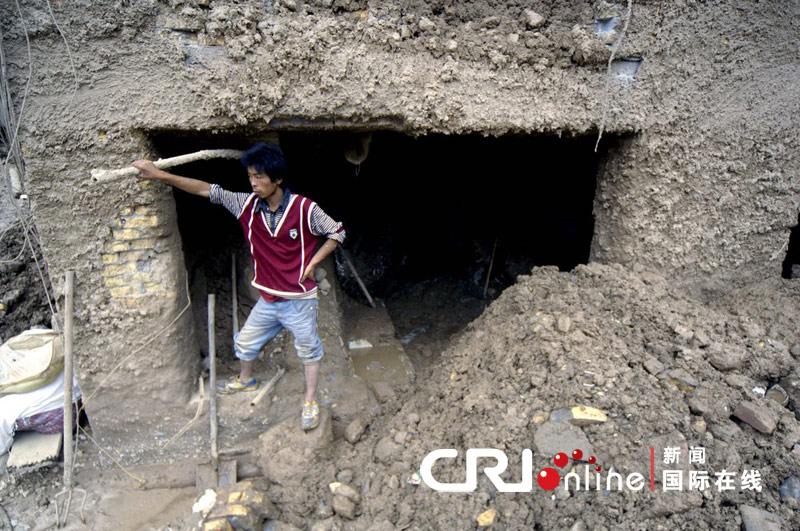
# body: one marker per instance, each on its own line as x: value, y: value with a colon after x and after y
x: 427, y: 217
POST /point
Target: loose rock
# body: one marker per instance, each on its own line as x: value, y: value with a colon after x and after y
x: 533, y: 19
x: 754, y: 519
x: 757, y: 416
x: 344, y: 507
x: 354, y: 431
x: 426, y: 24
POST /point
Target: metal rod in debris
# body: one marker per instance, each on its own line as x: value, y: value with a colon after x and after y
x: 489, y: 271
x: 349, y: 263
x: 212, y: 381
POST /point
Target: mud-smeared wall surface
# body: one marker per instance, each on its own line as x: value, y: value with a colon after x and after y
x: 703, y: 185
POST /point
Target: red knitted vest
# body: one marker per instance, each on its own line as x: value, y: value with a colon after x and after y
x: 279, y: 259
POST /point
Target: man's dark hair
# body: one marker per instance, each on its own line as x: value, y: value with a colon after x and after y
x: 266, y: 158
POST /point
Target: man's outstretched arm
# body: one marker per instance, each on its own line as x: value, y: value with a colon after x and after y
x: 148, y: 171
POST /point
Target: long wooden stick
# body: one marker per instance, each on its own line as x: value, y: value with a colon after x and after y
x: 267, y: 388
x: 100, y: 175
x: 349, y: 263
x: 69, y: 286
x: 212, y: 381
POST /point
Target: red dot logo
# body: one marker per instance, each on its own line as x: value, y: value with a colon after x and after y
x: 548, y: 478
x: 592, y: 460
x: 577, y: 454
x: 561, y: 460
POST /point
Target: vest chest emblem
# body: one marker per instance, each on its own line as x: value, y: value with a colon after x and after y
x: 293, y: 234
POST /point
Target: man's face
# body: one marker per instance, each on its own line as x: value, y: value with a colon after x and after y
x: 261, y: 183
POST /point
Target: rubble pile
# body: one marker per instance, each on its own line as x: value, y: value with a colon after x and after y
x: 664, y: 370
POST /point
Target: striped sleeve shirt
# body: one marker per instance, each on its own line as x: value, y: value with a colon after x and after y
x: 321, y: 223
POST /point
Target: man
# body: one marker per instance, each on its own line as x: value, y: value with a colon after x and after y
x: 282, y: 230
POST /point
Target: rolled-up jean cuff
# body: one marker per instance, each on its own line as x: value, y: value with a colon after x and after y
x: 312, y: 360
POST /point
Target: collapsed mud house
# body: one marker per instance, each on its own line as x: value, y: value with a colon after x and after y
x: 492, y: 108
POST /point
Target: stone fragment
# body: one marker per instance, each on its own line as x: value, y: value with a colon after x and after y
x: 726, y: 357
x: 757, y: 416
x: 553, y: 437
x: 405, y: 32
x: 343, y: 489
x: 564, y: 324
x: 385, y: 450
x: 413, y: 418
x: 652, y: 365
x: 586, y: 415
x: 533, y: 19
x: 683, y: 380
x: 354, y: 431
x: 795, y: 350
x: 291, y: 5
x: 754, y: 519
x: 725, y: 430
x: 486, y: 518
x: 344, y: 507
x: 426, y: 24
x: 578, y: 415
x: 491, y: 22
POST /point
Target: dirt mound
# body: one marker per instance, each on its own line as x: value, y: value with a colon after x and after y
x: 669, y: 371
x: 23, y: 303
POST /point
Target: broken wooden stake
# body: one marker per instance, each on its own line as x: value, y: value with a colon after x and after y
x: 234, y: 297
x: 212, y: 381
x: 69, y: 284
x: 267, y: 388
x: 100, y: 175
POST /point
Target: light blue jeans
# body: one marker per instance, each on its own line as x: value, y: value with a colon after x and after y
x: 267, y: 319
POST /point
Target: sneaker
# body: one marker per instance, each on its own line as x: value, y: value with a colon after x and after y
x: 234, y: 385
x: 310, y: 415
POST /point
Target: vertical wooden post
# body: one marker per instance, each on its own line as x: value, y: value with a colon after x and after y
x: 212, y: 381
x: 69, y: 286
x: 234, y: 295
